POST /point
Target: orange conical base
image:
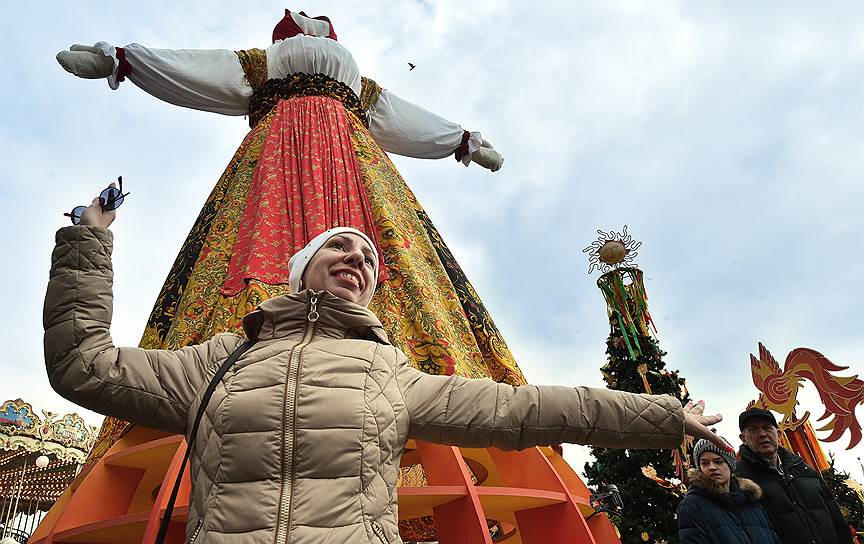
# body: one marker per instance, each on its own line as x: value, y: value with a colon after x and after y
x: 533, y: 495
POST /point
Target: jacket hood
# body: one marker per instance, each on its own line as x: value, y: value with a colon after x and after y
x: 284, y: 315
x: 703, y: 485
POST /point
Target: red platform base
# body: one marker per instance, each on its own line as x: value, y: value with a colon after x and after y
x: 533, y: 495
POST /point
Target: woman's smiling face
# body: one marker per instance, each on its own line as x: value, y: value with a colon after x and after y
x: 343, y: 266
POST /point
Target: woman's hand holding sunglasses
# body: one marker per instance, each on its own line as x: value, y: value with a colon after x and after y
x: 100, y: 212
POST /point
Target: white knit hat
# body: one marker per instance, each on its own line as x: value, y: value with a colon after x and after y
x: 299, y: 261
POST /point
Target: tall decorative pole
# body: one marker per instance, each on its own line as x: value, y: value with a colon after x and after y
x: 621, y: 284
x: 635, y: 364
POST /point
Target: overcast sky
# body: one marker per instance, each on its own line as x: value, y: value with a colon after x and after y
x: 728, y: 136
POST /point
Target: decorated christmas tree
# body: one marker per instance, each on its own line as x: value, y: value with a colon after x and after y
x: 649, y: 481
x: 848, y: 493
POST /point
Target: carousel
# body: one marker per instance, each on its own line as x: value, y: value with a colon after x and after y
x: 39, y: 458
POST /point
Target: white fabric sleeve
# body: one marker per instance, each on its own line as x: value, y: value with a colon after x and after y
x: 209, y: 80
x: 406, y: 129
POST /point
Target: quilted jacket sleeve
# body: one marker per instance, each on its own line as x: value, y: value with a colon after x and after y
x: 153, y: 388
x: 482, y: 413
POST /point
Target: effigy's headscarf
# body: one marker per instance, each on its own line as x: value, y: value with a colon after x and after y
x: 298, y: 262
x: 300, y: 23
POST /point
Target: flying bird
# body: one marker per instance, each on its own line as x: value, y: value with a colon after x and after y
x: 412, y: 66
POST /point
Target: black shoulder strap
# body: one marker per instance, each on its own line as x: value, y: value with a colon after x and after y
x: 211, y: 388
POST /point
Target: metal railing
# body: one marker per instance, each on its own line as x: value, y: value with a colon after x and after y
x: 20, y: 536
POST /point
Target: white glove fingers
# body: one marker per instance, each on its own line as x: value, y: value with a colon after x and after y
x: 65, y: 60
x: 88, y: 48
x: 488, y: 158
x: 86, y: 64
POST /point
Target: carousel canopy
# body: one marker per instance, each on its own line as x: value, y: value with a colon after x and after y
x: 39, y: 456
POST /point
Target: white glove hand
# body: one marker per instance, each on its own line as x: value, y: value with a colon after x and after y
x: 487, y: 157
x: 86, y: 61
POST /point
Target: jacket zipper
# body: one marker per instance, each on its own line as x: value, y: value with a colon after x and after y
x: 787, y: 477
x: 378, y: 529
x: 197, y: 530
x: 739, y: 519
x: 289, y: 422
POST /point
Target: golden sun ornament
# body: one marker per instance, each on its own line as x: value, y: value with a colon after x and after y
x: 611, y: 250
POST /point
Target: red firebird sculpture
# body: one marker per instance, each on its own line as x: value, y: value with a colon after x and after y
x: 841, y: 395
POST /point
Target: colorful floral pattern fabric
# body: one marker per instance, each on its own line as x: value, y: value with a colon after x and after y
x: 307, y: 180
x: 427, y: 305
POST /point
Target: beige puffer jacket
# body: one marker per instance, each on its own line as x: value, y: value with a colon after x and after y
x: 302, y: 439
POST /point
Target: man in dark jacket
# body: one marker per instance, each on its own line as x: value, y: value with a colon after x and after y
x: 795, y: 496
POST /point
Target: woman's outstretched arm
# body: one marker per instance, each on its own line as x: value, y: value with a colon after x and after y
x: 154, y: 388
x: 481, y: 413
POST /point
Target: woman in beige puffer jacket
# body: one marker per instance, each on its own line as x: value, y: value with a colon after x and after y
x: 302, y: 438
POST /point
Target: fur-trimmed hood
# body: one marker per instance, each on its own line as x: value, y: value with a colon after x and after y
x: 709, y: 515
x: 702, y: 484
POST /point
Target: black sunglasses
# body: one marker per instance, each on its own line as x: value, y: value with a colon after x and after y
x: 110, y: 199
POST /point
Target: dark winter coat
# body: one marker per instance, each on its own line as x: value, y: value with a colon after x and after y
x: 800, y: 505
x: 710, y: 515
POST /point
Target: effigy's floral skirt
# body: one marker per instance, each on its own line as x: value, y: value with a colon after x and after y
x: 307, y: 166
